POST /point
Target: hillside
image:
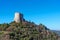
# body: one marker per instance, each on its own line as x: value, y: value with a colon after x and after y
x: 25, y: 30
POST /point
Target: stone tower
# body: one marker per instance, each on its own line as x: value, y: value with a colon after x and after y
x: 18, y: 17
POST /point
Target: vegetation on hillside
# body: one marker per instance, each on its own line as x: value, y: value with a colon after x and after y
x: 26, y: 31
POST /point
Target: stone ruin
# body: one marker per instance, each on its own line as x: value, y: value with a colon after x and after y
x: 18, y: 17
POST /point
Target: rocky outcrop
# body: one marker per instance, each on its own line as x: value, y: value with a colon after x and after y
x: 18, y: 17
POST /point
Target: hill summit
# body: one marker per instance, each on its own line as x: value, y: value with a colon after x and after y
x: 21, y: 29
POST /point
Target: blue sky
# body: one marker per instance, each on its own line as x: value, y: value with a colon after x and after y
x: 46, y: 12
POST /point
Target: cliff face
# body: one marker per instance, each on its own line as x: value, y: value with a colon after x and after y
x: 26, y: 30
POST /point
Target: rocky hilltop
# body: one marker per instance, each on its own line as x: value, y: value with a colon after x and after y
x: 21, y: 29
